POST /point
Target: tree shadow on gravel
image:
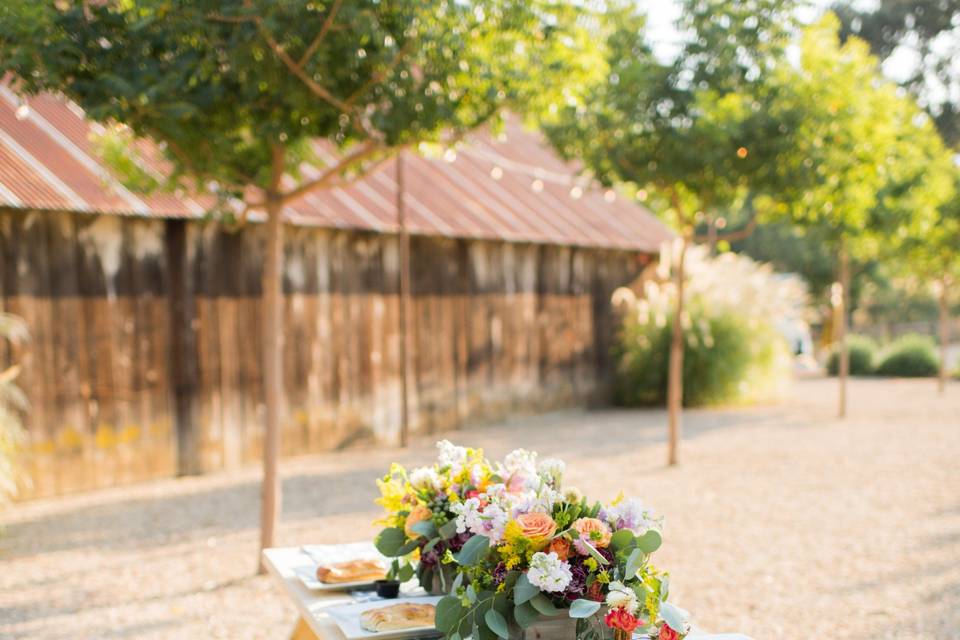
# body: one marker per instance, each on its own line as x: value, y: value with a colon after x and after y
x: 342, y: 483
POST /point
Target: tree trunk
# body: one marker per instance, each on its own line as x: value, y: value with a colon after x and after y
x: 944, y: 330
x: 842, y: 324
x: 675, y: 373
x: 272, y: 362
x: 404, y: 293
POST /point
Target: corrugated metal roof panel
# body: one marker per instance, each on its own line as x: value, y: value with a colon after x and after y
x: 510, y: 187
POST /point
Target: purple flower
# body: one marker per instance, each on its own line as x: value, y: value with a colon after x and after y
x: 499, y: 574
x: 578, y: 580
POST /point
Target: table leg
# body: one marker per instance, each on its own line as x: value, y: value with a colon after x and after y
x: 303, y: 631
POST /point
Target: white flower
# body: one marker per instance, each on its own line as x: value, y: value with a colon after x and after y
x: 424, y: 478
x: 549, y: 572
x: 572, y: 495
x: 629, y: 513
x: 451, y: 456
x: 551, y: 471
x: 489, y: 521
x: 620, y: 596
x: 519, y: 470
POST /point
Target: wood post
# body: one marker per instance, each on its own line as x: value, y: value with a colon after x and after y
x: 184, y: 370
x: 404, y: 311
x: 943, y: 321
x: 675, y: 373
x: 272, y: 359
x: 842, y: 323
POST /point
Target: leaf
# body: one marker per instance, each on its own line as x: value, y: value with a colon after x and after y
x: 649, y: 541
x: 448, y: 529
x: 407, y: 548
x: 524, y: 591
x: 542, y: 604
x: 674, y: 616
x: 471, y: 593
x: 473, y: 550
x: 525, y: 615
x: 633, y: 563
x: 622, y: 539
x: 449, y: 610
x: 457, y: 581
x: 390, y: 541
x: 426, y: 528
x: 583, y: 608
x: 595, y: 554
x: 405, y: 573
x: 497, y: 623
x: 430, y: 545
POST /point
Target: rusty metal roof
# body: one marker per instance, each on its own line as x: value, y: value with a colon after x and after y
x: 509, y: 187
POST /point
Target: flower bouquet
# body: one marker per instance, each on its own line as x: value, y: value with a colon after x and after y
x: 522, y: 557
x: 421, y: 531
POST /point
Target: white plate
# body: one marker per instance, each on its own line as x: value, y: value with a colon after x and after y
x: 315, y: 555
x: 347, y: 617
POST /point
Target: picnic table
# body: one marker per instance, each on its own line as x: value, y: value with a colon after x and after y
x: 315, y: 624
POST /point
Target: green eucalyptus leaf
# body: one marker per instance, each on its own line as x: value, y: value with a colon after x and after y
x: 634, y: 563
x: 542, y: 604
x: 426, y: 528
x: 524, y: 591
x: 649, y: 541
x: 405, y: 573
x: 622, y: 539
x: 448, y: 529
x: 449, y: 610
x: 525, y: 614
x: 497, y: 623
x: 473, y: 550
x: 471, y: 593
x: 390, y: 541
x: 583, y: 608
x: 674, y: 616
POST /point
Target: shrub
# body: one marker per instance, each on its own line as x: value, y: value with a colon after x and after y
x: 732, y: 351
x: 863, y: 356
x: 910, y: 356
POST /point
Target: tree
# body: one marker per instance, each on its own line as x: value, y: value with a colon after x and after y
x: 927, y: 34
x: 870, y: 168
x: 693, y: 133
x: 237, y: 91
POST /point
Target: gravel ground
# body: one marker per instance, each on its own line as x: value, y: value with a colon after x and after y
x: 782, y: 522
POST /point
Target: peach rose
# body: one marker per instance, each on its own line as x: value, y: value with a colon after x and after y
x: 561, y: 547
x: 591, y: 530
x: 538, y: 527
x: 418, y: 514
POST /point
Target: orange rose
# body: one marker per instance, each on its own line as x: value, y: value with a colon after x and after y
x: 561, y: 547
x: 591, y: 530
x: 537, y: 527
x: 418, y: 514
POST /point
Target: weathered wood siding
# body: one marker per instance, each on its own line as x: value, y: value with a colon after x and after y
x: 145, y: 351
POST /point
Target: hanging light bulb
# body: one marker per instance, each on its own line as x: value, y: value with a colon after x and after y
x: 576, y: 192
x: 537, y: 185
x: 609, y: 195
x: 449, y: 155
x: 496, y: 173
x: 23, y: 111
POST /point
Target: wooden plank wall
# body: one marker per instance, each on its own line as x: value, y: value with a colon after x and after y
x: 498, y: 329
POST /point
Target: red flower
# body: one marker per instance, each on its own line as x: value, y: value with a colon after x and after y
x: 473, y: 493
x: 623, y: 620
x: 666, y: 633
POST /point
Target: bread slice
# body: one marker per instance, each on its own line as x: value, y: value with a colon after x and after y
x: 351, y: 571
x: 405, y: 615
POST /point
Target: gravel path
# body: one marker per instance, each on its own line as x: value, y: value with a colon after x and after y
x: 781, y: 523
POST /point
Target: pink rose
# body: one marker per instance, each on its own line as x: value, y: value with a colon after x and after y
x: 591, y: 530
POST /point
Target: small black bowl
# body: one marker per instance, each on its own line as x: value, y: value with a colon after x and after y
x: 387, y: 588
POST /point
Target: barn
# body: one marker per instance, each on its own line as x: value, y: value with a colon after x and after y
x: 144, y: 360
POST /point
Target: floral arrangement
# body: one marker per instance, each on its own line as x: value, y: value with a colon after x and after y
x: 524, y: 551
x: 421, y: 516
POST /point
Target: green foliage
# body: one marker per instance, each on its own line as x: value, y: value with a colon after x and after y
x: 863, y: 356
x: 718, y: 355
x: 224, y: 84
x: 909, y: 356
x: 12, y: 406
x: 695, y: 131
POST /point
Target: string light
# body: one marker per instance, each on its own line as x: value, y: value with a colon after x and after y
x: 449, y: 155
x: 23, y: 111
x: 576, y: 192
x: 609, y: 195
x: 537, y: 185
x: 496, y: 173
x: 742, y: 152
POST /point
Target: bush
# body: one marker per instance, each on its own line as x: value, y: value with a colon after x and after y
x: 910, y: 356
x: 732, y: 350
x: 863, y: 356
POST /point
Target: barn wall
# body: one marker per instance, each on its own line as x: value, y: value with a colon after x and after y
x: 145, y: 355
